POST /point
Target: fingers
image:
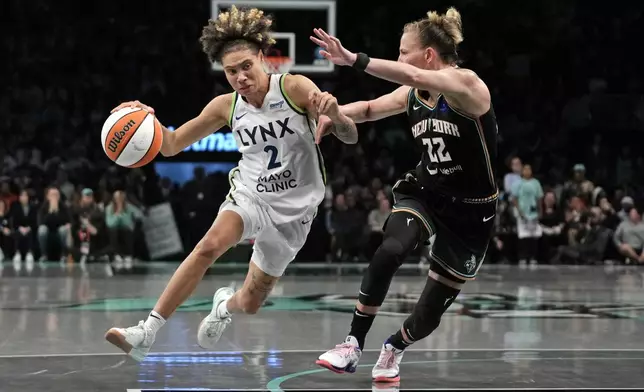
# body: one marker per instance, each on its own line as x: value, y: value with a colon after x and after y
x: 133, y: 104
x: 323, y: 128
x: 324, y: 102
x: 319, y: 42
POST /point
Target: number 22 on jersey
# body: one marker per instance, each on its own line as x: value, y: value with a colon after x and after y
x: 436, y: 150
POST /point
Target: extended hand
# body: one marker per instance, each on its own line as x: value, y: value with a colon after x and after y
x: 325, y: 104
x: 133, y: 104
x: 325, y: 127
x: 333, y: 49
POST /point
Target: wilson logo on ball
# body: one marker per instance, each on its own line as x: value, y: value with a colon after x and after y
x: 131, y: 137
x: 118, y: 136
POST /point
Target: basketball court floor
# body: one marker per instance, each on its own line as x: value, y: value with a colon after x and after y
x: 545, y: 328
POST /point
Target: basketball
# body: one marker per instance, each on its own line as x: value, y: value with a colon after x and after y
x: 131, y: 137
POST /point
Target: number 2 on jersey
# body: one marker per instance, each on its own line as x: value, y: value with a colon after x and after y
x: 273, y: 163
x: 436, y: 150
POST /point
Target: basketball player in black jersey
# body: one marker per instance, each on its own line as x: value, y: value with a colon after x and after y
x: 451, y: 193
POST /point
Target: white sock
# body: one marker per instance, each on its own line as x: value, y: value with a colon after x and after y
x: 222, y: 310
x: 154, y: 321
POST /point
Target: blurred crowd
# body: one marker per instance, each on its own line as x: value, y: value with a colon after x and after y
x: 571, y: 124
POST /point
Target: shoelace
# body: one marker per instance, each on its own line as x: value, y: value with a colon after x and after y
x: 343, y: 348
x: 387, y: 359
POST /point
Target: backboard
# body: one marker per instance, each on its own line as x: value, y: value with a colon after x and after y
x: 293, y: 23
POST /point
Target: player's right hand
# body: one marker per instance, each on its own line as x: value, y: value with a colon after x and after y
x: 133, y: 104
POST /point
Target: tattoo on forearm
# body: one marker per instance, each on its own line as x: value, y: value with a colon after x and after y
x: 344, y: 131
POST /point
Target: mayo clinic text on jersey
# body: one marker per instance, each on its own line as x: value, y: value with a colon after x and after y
x: 276, y: 182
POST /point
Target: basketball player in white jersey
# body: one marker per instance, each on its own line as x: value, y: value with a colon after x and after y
x: 275, y: 191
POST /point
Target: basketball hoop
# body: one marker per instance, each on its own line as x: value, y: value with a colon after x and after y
x: 277, y: 64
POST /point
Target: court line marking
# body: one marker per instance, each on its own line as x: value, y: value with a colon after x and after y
x: 322, y: 350
x: 275, y: 384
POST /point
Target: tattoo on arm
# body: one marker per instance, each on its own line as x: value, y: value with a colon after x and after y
x: 346, y: 132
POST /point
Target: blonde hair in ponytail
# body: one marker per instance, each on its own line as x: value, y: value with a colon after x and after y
x: 444, y: 32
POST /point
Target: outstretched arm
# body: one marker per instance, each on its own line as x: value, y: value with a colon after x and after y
x: 211, y: 119
x: 308, y: 96
x: 463, y: 85
x: 384, y: 106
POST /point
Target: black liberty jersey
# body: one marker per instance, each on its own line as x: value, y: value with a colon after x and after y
x: 458, y: 150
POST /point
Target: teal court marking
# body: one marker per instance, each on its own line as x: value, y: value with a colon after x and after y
x: 275, y: 384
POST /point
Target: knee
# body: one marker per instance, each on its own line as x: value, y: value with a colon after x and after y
x: 250, y: 303
x: 211, y: 247
x: 43, y: 230
x: 391, y: 252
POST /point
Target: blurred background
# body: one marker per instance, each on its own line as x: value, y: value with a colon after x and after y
x: 566, y: 84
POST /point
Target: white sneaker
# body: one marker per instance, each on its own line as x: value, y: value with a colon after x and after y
x: 134, y: 341
x: 387, y: 368
x: 343, y: 358
x: 30, y: 257
x: 212, y: 326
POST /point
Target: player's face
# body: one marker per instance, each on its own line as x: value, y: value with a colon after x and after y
x: 410, y: 51
x: 243, y: 70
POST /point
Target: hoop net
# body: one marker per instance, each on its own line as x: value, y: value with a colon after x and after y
x: 278, y: 64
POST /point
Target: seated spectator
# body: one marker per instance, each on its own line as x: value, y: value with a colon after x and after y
x: 593, y: 239
x: 120, y: 220
x: 629, y: 237
x: 6, y: 195
x: 611, y: 219
x: 5, y: 230
x: 53, y: 220
x: 552, y: 223
x: 347, y: 225
x: 24, y: 220
x: 88, y: 225
x: 627, y: 204
x: 377, y: 218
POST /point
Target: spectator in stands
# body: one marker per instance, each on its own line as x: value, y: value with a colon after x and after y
x: 6, y: 195
x: 627, y: 204
x: 120, y: 219
x: 629, y: 237
x: 347, y: 225
x: 611, y: 219
x: 578, y: 185
x: 377, y: 218
x: 593, y: 238
x: 53, y: 219
x: 5, y: 230
x: 516, y: 166
x: 552, y: 223
x: 88, y: 225
x: 527, y: 194
x: 24, y: 220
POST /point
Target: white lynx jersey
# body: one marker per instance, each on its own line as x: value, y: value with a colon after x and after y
x: 280, y: 164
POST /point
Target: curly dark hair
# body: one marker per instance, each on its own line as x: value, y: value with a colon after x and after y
x: 248, y: 28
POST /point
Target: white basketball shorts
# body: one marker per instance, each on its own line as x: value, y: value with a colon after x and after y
x: 276, y: 245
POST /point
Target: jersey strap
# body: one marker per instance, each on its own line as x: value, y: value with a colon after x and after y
x: 288, y: 99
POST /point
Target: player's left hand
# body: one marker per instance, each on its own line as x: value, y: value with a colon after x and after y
x: 325, y: 127
x: 325, y: 104
x: 333, y: 49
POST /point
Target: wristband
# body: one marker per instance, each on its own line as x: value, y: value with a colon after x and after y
x: 362, y: 60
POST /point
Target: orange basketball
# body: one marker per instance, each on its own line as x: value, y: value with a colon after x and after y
x: 131, y: 137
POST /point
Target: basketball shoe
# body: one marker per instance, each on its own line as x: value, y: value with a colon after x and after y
x: 134, y: 341
x: 213, y: 325
x: 343, y: 358
x: 387, y: 368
